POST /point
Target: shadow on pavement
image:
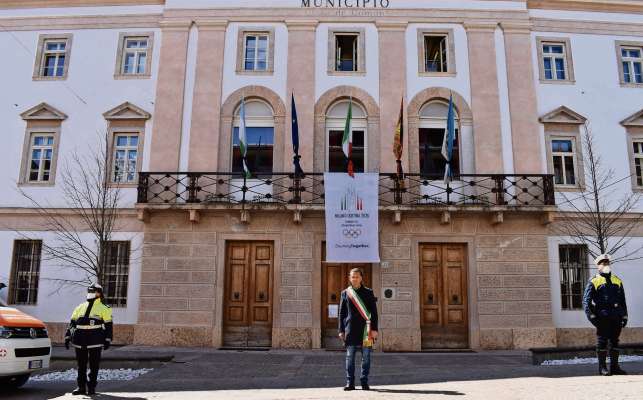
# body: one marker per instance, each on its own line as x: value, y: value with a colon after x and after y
x: 411, y: 391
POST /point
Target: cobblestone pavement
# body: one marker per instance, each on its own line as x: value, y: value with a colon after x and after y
x: 209, y: 374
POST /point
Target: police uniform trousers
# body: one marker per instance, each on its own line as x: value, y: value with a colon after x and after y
x: 608, y: 330
x: 92, y: 356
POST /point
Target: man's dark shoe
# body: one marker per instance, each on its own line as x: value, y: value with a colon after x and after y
x: 602, y: 363
x: 79, y: 391
x: 91, y: 391
x: 349, y: 387
x: 365, y: 386
x: 615, y: 369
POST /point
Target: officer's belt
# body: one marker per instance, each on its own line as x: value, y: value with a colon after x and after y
x: 86, y: 327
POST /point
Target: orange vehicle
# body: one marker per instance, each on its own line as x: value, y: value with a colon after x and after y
x: 25, y: 346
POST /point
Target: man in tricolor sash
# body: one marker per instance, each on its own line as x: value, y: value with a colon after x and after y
x: 357, y: 326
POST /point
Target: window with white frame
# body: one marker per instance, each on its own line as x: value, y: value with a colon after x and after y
x: 432, y: 128
x: 436, y: 52
x: 41, y: 154
x: 554, y: 61
x: 632, y: 64
x: 23, y: 287
x: 260, y: 137
x: 125, y: 157
x: 574, y: 273
x: 115, y: 256
x: 52, y: 59
x: 336, y: 160
x: 563, y: 153
x: 637, y: 148
x: 256, y: 50
x: 135, y: 54
x: 346, y: 52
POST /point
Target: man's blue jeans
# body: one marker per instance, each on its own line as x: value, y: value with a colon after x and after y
x: 350, y: 364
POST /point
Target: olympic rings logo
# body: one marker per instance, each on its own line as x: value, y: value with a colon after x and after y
x: 352, y: 233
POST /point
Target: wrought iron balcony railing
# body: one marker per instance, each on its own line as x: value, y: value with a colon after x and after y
x: 308, y: 189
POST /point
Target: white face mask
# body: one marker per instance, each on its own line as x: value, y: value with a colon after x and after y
x: 605, y: 269
x: 91, y: 296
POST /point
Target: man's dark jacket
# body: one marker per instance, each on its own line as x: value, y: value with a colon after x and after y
x: 351, y: 322
x: 604, y: 298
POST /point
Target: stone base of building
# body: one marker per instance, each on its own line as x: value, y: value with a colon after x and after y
x: 123, y: 334
x: 517, y: 338
x: 568, y: 337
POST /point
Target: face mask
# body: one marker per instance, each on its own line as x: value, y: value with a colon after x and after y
x: 606, y: 269
x: 91, y: 296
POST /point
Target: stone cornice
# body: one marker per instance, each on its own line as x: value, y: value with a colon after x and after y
x: 480, y: 26
x: 388, y: 25
x: 207, y: 24
x: 301, y: 24
x: 75, y: 3
x: 516, y: 27
x: 175, y: 24
x: 81, y: 22
x: 615, y: 6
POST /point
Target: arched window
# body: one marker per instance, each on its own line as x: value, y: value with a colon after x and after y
x: 432, y: 127
x: 260, y: 135
x: 335, y: 122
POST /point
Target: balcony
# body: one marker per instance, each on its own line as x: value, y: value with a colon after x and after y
x: 212, y: 190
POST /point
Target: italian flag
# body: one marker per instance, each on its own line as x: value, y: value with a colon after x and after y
x: 361, y: 307
x: 243, y: 144
x: 347, y: 139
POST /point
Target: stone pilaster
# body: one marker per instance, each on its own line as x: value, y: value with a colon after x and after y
x: 523, y: 107
x: 301, y: 83
x: 485, y: 99
x: 392, y: 49
x: 168, y: 109
x: 206, y: 107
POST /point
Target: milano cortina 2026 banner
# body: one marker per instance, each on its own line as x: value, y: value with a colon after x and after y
x: 351, y: 217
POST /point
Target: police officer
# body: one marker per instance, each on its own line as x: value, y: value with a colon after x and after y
x: 605, y: 307
x: 89, y: 332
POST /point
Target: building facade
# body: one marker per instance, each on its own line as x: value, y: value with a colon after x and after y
x: 204, y: 257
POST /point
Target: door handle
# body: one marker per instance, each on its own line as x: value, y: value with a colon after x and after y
x: 455, y: 298
x: 261, y: 295
x: 430, y: 298
x: 236, y: 295
x: 333, y: 297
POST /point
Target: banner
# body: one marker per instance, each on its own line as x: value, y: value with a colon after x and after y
x: 352, y: 226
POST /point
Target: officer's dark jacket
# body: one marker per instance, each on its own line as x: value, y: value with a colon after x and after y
x: 605, y: 297
x: 351, y: 322
x: 91, y: 330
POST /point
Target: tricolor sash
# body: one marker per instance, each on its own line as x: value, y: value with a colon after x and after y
x: 363, y: 311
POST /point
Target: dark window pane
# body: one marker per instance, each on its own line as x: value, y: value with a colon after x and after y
x: 560, y: 69
x: 346, y: 52
x: 435, y: 49
x: 432, y: 162
x: 259, y: 152
x: 558, y: 170
x: 26, y: 272
x: 570, y: 176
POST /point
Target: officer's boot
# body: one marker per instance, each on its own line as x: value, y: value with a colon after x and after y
x: 91, y: 389
x: 602, y: 362
x: 80, y: 390
x: 615, y: 369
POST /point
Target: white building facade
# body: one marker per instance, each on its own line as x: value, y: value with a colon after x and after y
x: 203, y: 257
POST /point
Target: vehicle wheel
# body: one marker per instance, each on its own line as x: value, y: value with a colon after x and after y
x: 15, y: 381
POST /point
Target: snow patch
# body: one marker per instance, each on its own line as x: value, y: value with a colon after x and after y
x: 592, y: 360
x: 122, y: 374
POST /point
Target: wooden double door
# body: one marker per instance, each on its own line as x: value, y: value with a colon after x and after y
x: 334, y: 280
x: 247, y: 320
x: 443, y: 296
